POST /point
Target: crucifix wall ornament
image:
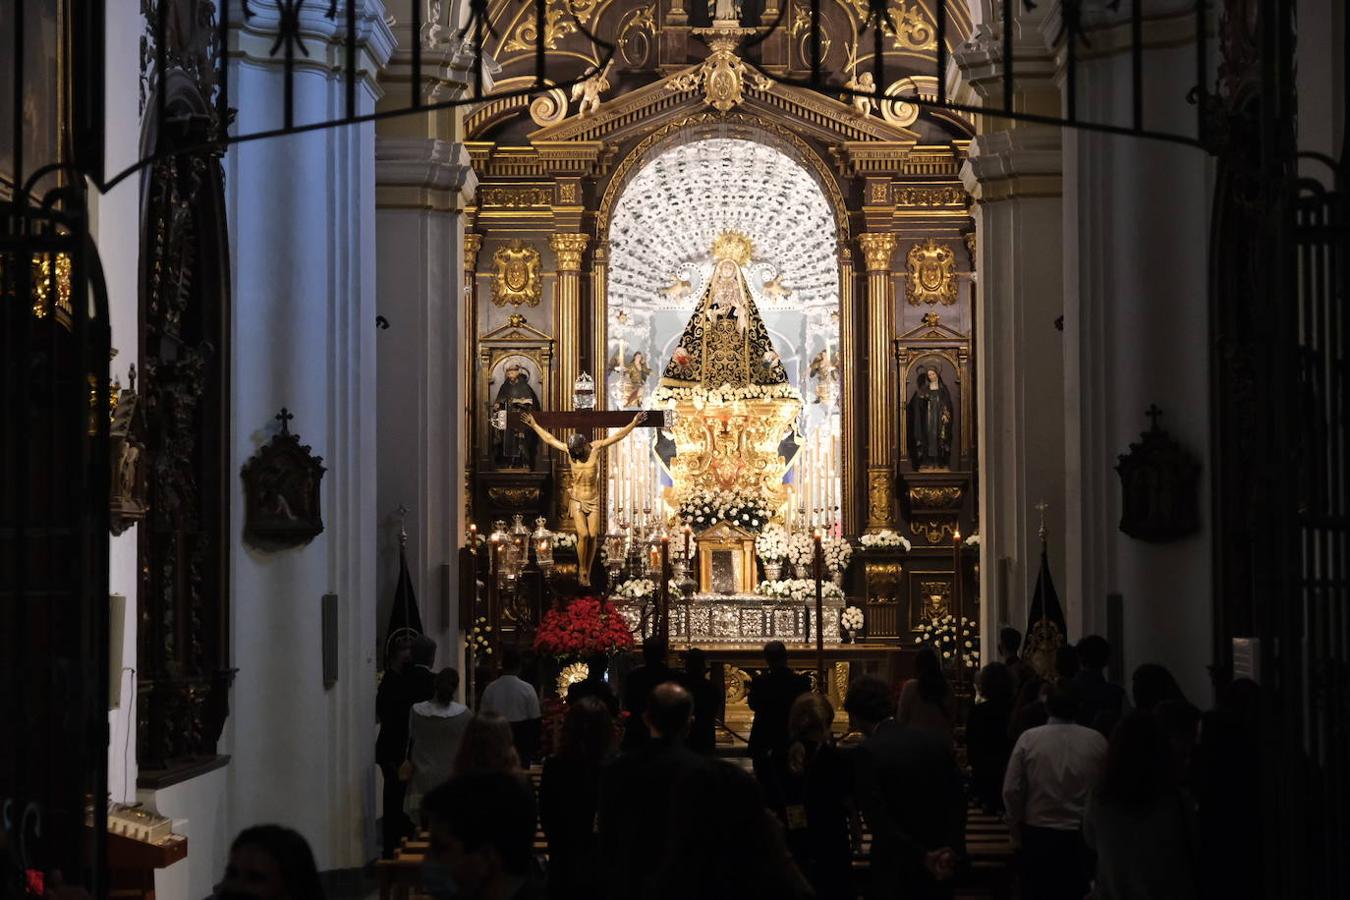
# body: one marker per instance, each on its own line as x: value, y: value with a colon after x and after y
x: 516, y: 278
x: 932, y: 277
x: 1160, y: 486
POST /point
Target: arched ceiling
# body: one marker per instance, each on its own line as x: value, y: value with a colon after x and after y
x: 666, y: 220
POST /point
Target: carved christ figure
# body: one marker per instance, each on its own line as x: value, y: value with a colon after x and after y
x: 583, y: 500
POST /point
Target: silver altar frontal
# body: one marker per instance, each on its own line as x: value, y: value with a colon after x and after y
x: 737, y: 619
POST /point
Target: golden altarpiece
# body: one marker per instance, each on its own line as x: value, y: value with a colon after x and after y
x: 553, y: 168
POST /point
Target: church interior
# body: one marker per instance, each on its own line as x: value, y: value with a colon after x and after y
x: 382, y: 369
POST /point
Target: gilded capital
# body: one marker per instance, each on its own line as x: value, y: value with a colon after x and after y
x: 473, y: 242
x: 569, y: 248
x: 877, y: 249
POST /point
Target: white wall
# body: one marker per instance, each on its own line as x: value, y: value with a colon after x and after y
x: 1136, y: 229
x: 117, y: 236
x: 302, y: 213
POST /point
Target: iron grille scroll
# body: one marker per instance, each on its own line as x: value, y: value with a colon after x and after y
x: 285, y: 22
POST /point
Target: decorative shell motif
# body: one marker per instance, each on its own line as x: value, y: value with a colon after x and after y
x: 516, y: 278
x: 931, y: 278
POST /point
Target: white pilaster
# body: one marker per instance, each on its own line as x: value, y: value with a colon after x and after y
x: 423, y: 184
x: 302, y: 237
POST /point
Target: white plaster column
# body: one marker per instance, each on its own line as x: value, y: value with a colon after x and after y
x: 1013, y: 173
x: 302, y: 239
x: 423, y: 184
x: 1136, y: 315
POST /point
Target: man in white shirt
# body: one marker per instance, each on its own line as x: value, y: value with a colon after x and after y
x: 1052, y: 770
x: 516, y: 701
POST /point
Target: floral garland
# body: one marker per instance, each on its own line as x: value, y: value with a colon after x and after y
x: 885, y: 540
x: 700, y: 396
x: 637, y: 590
x: 772, y: 543
x: 851, y: 619
x: 477, y: 640
x: 952, y: 638
x: 583, y: 627
x: 704, y: 509
x: 799, y: 590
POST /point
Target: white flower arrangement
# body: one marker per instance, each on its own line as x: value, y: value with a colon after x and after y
x: 772, y: 543
x: 704, y: 509
x: 477, y: 640
x: 838, y: 552
x: 973, y: 540
x: 565, y: 541
x: 637, y: 590
x: 851, y: 619
x: 799, y: 590
x: 700, y: 396
x: 952, y: 639
x: 801, y: 550
x: 885, y: 540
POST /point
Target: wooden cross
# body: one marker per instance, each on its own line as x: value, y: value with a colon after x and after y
x: 284, y: 417
x: 590, y: 418
x: 1153, y: 414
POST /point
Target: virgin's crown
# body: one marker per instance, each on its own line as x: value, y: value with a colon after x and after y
x: 733, y: 245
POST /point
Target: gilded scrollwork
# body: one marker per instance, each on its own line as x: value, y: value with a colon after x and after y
x: 932, y: 531
x: 799, y: 33
x: 906, y: 23
x: 637, y: 32
x: 879, y: 497
x: 516, y: 278
x: 558, y: 24
x: 932, y: 274
x: 549, y: 108
x: 723, y: 77
x: 935, y: 498
x: 930, y: 197
x: 568, y: 249
x: 517, y: 497
x: 877, y: 248
x: 937, y: 596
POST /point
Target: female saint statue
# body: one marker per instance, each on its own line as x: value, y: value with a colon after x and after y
x: 930, y: 422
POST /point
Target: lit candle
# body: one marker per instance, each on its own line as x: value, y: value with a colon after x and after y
x: 688, y: 535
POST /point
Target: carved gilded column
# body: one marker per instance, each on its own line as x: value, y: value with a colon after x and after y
x: 877, y: 249
x: 848, y: 398
x: 472, y: 244
x: 568, y: 248
x: 567, y: 310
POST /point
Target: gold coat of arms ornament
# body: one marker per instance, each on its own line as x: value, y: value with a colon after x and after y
x: 516, y: 278
x: 932, y: 276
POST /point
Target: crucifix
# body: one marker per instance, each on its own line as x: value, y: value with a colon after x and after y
x: 583, y: 497
x: 1154, y: 414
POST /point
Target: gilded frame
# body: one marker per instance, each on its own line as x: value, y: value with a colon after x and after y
x: 512, y: 339
x: 726, y: 538
x: 911, y: 353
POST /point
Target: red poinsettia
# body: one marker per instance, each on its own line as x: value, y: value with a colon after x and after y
x: 581, y: 628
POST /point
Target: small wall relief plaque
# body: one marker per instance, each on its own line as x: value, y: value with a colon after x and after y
x: 281, y: 492
x: 1160, y: 487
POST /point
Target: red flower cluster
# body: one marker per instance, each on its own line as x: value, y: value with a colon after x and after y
x: 582, y: 627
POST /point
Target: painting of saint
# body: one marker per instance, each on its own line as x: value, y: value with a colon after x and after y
x: 514, y: 444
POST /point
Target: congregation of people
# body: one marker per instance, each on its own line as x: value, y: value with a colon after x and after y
x: 1108, y: 794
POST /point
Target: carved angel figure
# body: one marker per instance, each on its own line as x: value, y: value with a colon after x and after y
x: 589, y: 90
x: 774, y: 289
x: 679, y: 290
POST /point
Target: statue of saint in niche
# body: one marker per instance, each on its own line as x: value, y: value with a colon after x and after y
x: 635, y: 375
x: 930, y: 422
x: 514, y: 447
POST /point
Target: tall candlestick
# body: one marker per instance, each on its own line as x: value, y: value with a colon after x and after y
x: 820, y: 612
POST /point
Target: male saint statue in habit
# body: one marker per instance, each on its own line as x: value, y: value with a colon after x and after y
x: 583, y: 500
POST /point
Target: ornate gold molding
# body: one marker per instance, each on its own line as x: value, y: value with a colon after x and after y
x: 932, y: 274
x: 879, y: 490
x: 515, y: 197
x: 516, y: 278
x: 933, y: 532
x: 569, y: 248
x: 935, y: 498
x: 877, y: 249
x: 515, y: 497
x: 913, y: 30
x: 970, y: 245
x: 472, y: 244
x: 723, y: 76
x: 937, y: 598
x: 930, y: 197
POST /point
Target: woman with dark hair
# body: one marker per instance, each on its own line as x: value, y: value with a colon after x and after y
x: 810, y: 788
x: 435, y: 729
x: 487, y: 746
x: 988, y: 744
x: 1152, y: 684
x: 927, y: 700
x: 269, y: 862
x: 569, y: 792
x: 1139, y: 821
